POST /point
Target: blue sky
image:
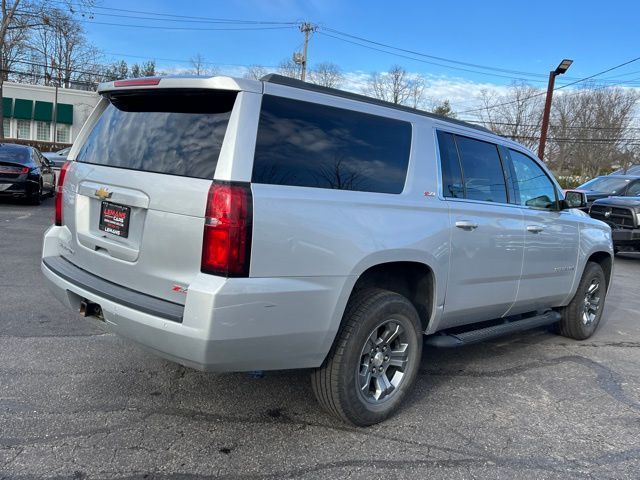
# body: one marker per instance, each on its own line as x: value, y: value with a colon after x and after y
x: 530, y: 37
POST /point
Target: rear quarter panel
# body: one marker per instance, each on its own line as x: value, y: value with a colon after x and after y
x: 307, y: 232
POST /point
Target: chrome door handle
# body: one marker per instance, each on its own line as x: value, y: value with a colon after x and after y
x: 534, y: 228
x: 466, y: 225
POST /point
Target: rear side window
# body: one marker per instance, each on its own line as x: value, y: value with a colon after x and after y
x: 452, y: 185
x: 482, y: 170
x: 634, y: 189
x: 471, y: 169
x: 311, y: 145
x: 177, y: 132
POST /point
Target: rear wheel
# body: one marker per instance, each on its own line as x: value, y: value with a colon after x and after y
x: 36, y: 198
x: 374, y: 360
x: 581, y: 317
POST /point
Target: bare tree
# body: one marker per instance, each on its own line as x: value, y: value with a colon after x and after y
x: 326, y: 74
x: 289, y: 68
x: 591, y: 130
x: 255, y: 72
x: 340, y: 176
x: 396, y: 86
x: 198, y: 65
x: 517, y: 114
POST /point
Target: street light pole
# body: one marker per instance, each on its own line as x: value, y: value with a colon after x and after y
x: 563, y: 67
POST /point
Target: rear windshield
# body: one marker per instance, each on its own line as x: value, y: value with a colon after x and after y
x: 171, y: 132
x: 16, y: 155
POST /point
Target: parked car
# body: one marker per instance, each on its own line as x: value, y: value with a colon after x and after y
x: 25, y: 173
x: 630, y: 170
x: 607, y: 186
x: 622, y: 214
x: 240, y: 225
x: 58, y: 158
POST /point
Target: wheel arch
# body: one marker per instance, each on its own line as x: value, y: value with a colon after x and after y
x: 605, y: 260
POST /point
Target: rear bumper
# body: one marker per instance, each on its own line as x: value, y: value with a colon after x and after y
x: 234, y: 324
x: 626, y: 238
x: 17, y: 188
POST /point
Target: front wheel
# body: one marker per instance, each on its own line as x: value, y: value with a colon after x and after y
x: 581, y: 317
x: 374, y: 360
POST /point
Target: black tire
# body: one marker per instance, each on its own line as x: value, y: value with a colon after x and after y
x: 36, y: 198
x: 52, y: 192
x: 581, y: 317
x: 336, y: 383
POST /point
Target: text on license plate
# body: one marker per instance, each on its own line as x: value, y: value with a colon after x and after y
x: 114, y: 219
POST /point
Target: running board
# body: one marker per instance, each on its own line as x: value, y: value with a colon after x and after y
x: 447, y: 340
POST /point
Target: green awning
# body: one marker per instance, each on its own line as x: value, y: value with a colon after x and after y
x: 64, y: 113
x: 23, y: 109
x: 7, y: 107
x: 43, y: 111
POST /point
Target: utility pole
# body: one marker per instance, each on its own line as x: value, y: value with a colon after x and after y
x: 563, y: 67
x: 305, y: 28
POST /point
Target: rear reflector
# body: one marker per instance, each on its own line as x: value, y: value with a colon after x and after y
x: 226, y: 243
x: 137, y: 82
x: 58, y: 200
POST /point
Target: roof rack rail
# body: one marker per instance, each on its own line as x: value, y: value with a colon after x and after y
x: 292, y: 82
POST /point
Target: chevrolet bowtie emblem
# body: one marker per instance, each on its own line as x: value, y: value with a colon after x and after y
x: 102, y: 193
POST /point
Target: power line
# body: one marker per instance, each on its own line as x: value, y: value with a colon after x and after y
x: 425, y: 61
x: 185, y: 20
x: 571, y: 127
x: 159, y: 27
x: 442, y: 59
x: 519, y: 73
x: 557, y: 88
x: 171, y: 15
x: 142, y: 57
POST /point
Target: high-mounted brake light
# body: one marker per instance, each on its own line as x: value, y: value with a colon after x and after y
x: 58, y: 200
x: 136, y: 82
x: 226, y: 242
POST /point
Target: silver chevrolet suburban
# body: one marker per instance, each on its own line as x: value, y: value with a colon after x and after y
x: 237, y: 225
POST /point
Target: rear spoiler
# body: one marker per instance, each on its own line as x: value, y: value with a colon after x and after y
x: 191, y: 82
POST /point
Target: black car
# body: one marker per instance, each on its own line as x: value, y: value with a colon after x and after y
x: 610, y: 185
x: 25, y: 173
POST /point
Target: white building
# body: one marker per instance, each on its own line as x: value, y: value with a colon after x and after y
x: 29, y: 112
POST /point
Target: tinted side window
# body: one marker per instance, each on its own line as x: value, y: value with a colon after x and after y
x: 452, y: 185
x: 634, y: 189
x: 533, y: 186
x: 310, y: 145
x: 482, y: 170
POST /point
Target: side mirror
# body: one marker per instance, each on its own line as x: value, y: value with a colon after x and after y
x: 574, y: 199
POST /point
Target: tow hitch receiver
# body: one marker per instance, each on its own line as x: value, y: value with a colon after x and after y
x: 90, y: 309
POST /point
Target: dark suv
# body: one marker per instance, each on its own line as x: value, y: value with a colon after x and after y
x: 622, y: 213
x: 609, y: 185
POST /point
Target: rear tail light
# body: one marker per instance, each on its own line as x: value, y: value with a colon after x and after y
x: 226, y: 243
x: 25, y: 170
x: 58, y: 200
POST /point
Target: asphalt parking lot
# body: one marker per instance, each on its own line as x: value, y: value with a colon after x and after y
x: 78, y: 403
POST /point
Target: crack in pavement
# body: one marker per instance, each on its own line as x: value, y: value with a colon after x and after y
x: 607, y: 379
